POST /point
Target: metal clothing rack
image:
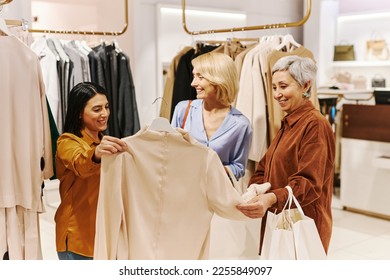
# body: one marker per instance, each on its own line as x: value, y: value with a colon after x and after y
x: 78, y: 32
x: 246, y: 28
x: 3, y: 2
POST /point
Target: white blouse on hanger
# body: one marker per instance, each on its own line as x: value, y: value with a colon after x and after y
x: 157, y: 199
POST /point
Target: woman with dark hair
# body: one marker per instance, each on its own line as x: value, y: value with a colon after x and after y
x: 79, y: 151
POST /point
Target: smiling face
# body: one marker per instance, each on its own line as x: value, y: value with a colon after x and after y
x: 204, y: 89
x: 95, y: 114
x: 287, y: 91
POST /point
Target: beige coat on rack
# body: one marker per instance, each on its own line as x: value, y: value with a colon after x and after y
x: 26, y: 143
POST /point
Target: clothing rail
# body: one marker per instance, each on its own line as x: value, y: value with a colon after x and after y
x: 3, y: 2
x: 78, y: 32
x: 234, y: 39
x: 246, y: 28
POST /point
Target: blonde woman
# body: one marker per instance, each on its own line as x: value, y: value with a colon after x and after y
x: 211, y: 118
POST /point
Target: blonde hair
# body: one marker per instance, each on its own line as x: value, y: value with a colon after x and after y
x: 219, y: 69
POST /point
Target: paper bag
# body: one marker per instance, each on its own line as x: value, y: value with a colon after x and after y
x: 291, y: 235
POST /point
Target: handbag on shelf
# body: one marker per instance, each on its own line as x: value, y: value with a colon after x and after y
x: 290, y: 235
x: 378, y: 81
x: 377, y: 49
x: 344, y: 52
x: 359, y: 82
x: 343, y: 77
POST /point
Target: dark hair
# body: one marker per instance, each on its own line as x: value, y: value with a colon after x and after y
x: 77, y: 100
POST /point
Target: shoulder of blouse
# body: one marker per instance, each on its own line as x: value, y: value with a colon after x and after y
x: 70, y: 137
x: 240, y: 117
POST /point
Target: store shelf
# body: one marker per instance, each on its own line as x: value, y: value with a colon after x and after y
x: 357, y: 96
x: 361, y: 63
x: 328, y: 91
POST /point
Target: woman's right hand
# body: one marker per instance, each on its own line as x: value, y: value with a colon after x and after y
x: 108, y: 146
x: 257, y: 207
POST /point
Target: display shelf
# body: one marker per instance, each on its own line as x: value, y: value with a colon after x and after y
x: 361, y: 63
x: 327, y: 91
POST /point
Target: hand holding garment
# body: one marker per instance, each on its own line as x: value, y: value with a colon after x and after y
x: 254, y: 190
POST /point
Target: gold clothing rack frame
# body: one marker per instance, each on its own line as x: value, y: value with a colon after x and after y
x: 4, y: 2
x: 77, y: 32
x: 246, y: 28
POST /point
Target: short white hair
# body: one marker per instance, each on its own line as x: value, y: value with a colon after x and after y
x: 302, y: 69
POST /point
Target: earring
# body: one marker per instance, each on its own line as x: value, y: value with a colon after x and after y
x: 306, y: 95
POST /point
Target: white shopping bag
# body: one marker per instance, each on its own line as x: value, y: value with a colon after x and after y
x: 291, y: 235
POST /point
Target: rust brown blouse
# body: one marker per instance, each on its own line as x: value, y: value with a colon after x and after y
x: 302, y: 156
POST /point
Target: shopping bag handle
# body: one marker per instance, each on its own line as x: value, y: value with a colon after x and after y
x: 291, y: 198
x: 287, y: 207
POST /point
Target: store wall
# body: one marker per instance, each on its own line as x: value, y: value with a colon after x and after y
x: 57, y: 15
x: 320, y: 35
x: 20, y: 9
x: 346, y: 21
x: 363, y: 6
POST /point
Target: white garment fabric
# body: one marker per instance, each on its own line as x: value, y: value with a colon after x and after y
x: 157, y: 199
x: 251, y: 100
x: 254, y: 94
x: 48, y: 62
x: 237, y: 239
x: 25, y: 129
x: 19, y: 234
x: 25, y: 141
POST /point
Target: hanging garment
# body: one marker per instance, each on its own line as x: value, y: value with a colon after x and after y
x: 113, y: 93
x: 182, y: 89
x: 80, y: 63
x: 20, y: 234
x: 48, y: 61
x: 105, y: 65
x: 166, y: 105
x: 110, y: 68
x: 127, y: 112
x: 60, y: 69
x: 96, y: 67
x: 26, y: 143
x: 251, y: 102
x: 66, y: 74
x: 240, y: 59
x: 83, y: 52
x: 157, y: 199
x: 233, y: 48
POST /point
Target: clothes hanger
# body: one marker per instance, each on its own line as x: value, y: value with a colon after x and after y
x: 288, y: 42
x: 116, y: 45
x: 4, y: 28
x: 162, y: 124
